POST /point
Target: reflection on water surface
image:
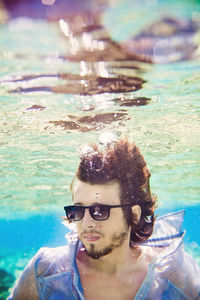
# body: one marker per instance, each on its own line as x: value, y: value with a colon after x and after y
x: 69, y: 72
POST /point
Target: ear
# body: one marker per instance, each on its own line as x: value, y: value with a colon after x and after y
x: 136, y: 210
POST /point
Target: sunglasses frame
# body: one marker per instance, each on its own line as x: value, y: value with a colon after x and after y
x: 91, y: 207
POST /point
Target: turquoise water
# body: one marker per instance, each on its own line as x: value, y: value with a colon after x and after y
x: 38, y: 158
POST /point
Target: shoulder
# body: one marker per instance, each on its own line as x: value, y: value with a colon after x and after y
x: 179, y: 268
x: 52, y: 260
x: 173, y: 264
x: 46, y: 261
x: 25, y: 286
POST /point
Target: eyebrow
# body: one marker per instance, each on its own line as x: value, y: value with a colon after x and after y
x: 95, y: 203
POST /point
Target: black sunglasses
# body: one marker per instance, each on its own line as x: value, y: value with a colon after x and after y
x: 99, y: 212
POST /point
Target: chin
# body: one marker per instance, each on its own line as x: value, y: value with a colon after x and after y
x: 95, y: 253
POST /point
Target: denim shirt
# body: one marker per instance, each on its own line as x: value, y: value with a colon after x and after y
x: 169, y: 276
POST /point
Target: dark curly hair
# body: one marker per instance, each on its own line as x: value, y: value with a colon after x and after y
x: 124, y: 163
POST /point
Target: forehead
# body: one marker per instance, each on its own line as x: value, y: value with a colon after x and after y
x: 88, y: 194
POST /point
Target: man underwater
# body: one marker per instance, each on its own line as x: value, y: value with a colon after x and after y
x: 118, y: 250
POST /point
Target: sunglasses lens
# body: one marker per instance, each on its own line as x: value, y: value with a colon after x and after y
x: 74, y: 213
x: 97, y: 212
x: 100, y: 212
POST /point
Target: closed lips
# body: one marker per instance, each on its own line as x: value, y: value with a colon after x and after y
x: 91, y: 233
x: 91, y: 237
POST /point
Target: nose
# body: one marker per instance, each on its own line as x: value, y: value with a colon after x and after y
x: 88, y: 221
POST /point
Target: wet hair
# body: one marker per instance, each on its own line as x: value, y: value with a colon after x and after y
x: 124, y: 163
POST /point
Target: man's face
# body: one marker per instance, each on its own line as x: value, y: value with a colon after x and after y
x: 100, y: 237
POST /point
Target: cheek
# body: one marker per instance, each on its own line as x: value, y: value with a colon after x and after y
x: 78, y: 226
x: 114, y: 226
x: 117, y: 219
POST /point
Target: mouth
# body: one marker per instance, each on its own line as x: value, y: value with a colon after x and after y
x: 91, y: 238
